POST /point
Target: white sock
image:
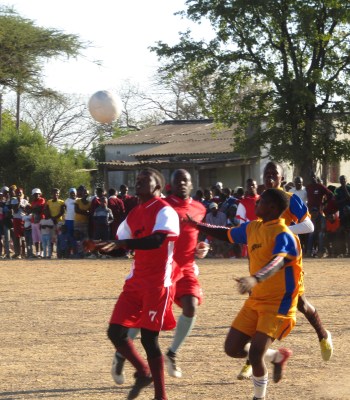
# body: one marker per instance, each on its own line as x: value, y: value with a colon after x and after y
x: 273, y: 356
x: 260, y: 386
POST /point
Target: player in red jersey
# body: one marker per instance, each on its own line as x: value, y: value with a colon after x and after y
x: 188, y: 293
x: 150, y: 229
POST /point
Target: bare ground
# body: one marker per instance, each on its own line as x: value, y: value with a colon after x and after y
x: 54, y: 315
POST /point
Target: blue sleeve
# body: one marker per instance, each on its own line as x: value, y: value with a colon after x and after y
x: 239, y: 234
x: 297, y: 207
x: 285, y: 245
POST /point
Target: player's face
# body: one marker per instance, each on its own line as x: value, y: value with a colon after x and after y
x: 272, y: 176
x: 251, y: 187
x: 181, y: 184
x: 262, y: 207
x: 146, y: 185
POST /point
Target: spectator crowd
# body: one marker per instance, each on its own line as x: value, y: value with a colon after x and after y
x: 33, y: 227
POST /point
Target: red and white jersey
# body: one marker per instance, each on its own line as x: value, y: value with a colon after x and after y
x: 185, y: 246
x: 246, y: 209
x: 151, y: 268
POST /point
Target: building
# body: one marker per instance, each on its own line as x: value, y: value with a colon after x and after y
x: 205, y: 150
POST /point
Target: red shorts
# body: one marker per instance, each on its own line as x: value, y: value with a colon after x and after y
x: 150, y: 309
x: 188, y: 285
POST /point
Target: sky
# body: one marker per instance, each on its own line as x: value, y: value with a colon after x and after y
x: 120, y: 32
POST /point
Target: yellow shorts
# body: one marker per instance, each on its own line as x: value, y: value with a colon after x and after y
x: 255, y: 317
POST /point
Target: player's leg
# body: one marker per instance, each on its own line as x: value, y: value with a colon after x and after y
x: 324, y: 336
x: 184, y: 327
x: 149, y: 340
x: 119, y: 361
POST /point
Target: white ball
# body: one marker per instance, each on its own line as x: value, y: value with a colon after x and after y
x: 105, y: 107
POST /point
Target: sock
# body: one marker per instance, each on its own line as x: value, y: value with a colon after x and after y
x: 260, y: 386
x: 183, y: 328
x: 316, y: 323
x: 129, y: 352
x: 132, y: 333
x: 157, y: 369
x: 273, y: 356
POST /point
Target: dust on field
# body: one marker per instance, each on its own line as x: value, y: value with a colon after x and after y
x: 54, y: 316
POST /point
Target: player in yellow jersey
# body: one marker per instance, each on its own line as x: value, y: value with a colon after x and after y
x: 298, y: 219
x: 274, y: 283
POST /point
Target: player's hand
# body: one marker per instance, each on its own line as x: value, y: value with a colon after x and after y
x: 246, y: 284
x: 202, y: 249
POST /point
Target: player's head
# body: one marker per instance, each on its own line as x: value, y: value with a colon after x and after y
x: 55, y: 193
x: 149, y: 183
x: 273, y: 175
x: 251, y: 187
x: 272, y: 203
x: 181, y: 183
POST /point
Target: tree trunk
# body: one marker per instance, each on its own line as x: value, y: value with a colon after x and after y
x: 18, y: 107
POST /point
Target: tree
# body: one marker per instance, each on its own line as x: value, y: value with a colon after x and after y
x: 279, y: 65
x: 28, y: 162
x: 23, y: 49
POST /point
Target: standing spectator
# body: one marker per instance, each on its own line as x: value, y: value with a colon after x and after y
x: 38, y: 206
x: 102, y: 218
x: 70, y: 211
x: 199, y: 196
x: 299, y: 189
x: 56, y: 208
x: 95, y: 201
x: 2, y: 205
x: 315, y: 239
x: 129, y: 201
x: 215, y: 217
x: 18, y: 205
x: 317, y: 194
x: 332, y: 235
x: 118, y: 210
x: 46, y: 228
x: 82, y: 212
x: 7, y: 221
x: 208, y: 198
x: 229, y: 200
x: 27, y: 223
x: 342, y: 195
x: 64, y: 242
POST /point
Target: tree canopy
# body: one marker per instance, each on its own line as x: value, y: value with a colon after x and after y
x: 281, y: 66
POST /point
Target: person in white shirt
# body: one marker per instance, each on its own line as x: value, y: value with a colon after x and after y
x: 70, y: 211
x: 299, y: 189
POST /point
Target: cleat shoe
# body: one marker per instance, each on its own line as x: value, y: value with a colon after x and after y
x: 173, y: 369
x: 278, y: 367
x: 258, y: 398
x: 245, y: 373
x: 140, y: 383
x: 117, y: 369
x: 327, y: 347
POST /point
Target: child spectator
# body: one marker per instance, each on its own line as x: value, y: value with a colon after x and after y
x: 64, y: 242
x: 102, y: 218
x: 27, y: 222
x: 46, y: 229
x: 332, y: 235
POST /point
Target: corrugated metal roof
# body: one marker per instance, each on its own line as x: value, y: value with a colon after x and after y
x: 195, y: 147
x: 174, y: 131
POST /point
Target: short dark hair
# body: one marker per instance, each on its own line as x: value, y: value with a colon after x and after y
x: 158, y: 176
x: 277, y: 197
x: 112, y: 191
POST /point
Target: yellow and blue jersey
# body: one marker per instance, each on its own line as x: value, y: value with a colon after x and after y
x: 266, y: 240
x: 297, y: 210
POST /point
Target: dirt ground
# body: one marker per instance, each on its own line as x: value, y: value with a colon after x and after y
x: 54, y: 315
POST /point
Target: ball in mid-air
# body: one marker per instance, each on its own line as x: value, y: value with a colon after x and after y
x: 104, y: 107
